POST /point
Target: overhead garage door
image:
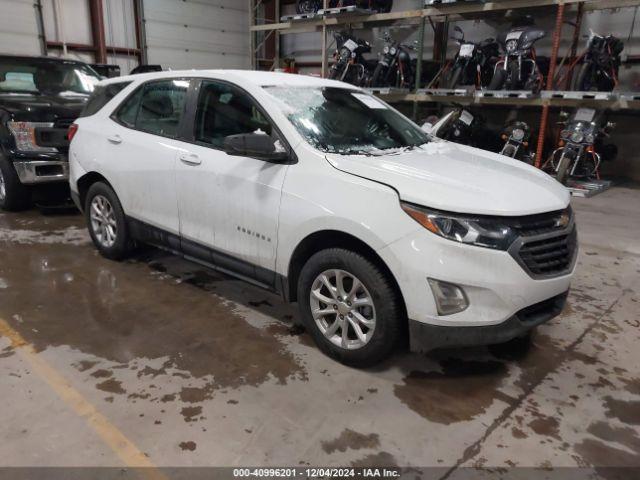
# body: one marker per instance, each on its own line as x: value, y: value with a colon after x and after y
x: 197, y: 33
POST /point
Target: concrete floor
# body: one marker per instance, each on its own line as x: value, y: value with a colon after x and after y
x: 155, y: 361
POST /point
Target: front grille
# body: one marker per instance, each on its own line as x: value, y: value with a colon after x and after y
x: 540, y: 224
x: 549, y: 256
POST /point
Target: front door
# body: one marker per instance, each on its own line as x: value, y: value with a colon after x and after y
x: 227, y: 202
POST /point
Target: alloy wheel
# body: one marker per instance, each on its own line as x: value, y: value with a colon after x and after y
x: 343, y: 309
x: 103, y: 221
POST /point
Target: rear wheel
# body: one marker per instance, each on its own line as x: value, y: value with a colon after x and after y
x: 14, y: 196
x: 107, y: 223
x: 350, y: 307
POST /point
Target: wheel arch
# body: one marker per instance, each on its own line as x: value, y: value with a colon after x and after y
x: 325, y: 239
x: 84, y: 184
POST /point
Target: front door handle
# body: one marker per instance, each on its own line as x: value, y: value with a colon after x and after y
x: 117, y: 139
x: 189, y: 159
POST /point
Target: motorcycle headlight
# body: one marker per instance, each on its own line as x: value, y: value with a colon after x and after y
x: 577, y: 137
x: 511, y: 45
x: 471, y: 230
x: 589, y: 138
x: 385, y: 50
x: 393, y: 50
x: 517, y: 134
x: 24, y: 134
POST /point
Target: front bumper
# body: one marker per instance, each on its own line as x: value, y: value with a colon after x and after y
x: 33, y: 172
x: 425, y: 337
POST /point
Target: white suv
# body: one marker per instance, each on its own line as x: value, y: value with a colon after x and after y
x: 321, y: 192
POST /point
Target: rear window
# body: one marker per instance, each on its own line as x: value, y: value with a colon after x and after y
x: 101, y: 96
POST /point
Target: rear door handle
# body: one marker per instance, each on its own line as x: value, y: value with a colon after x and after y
x: 189, y: 159
x: 117, y: 139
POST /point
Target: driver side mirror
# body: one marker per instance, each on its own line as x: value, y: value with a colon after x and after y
x: 255, y: 145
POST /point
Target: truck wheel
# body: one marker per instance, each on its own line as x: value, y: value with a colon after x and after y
x: 14, y: 196
x: 350, y: 307
x: 106, y: 222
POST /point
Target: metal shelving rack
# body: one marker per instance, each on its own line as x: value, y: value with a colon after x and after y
x: 444, y: 13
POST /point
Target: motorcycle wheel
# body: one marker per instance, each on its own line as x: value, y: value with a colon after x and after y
x: 509, y: 151
x: 562, y: 174
x: 334, y: 74
x: 455, y: 77
x: 307, y: 6
x: 497, y: 82
x: 377, y: 80
x: 582, y: 82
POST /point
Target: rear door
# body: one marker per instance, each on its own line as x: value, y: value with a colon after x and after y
x: 140, y: 152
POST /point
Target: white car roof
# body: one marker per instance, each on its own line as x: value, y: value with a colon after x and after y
x: 241, y: 77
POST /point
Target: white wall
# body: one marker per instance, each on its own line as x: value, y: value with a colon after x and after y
x: 197, y: 34
x: 18, y: 28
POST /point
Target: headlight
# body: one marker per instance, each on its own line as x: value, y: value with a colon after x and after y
x: 468, y: 229
x: 393, y: 50
x: 589, y: 138
x: 577, y: 137
x: 517, y: 134
x: 24, y: 134
x: 386, y: 49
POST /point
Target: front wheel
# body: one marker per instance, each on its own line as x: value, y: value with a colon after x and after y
x: 455, y: 78
x: 350, y: 307
x: 14, y: 196
x: 107, y: 223
x: 497, y: 82
x: 562, y: 172
x: 379, y: 74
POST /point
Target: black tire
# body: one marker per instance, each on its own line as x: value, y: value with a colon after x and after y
x: 16, y: 196
x: 562, y: 174
x: 123, y: 243
x: 579, y: 83
x: 455, y: 77
x: 307, y: 6
x: 497, y: 82
x: 389, y: 316
x: 377, y: 80
x: 509, y: 151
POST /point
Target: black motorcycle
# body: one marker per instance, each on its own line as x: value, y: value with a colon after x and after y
x: 576, y: 154
x: 461, y: 126
x: 516, y: 135
x: 599, y: 70
x: 474, y: 62
x: 518, y: 70
x: 312, y: 6
x: 350, y: 65
x: 395, y: 68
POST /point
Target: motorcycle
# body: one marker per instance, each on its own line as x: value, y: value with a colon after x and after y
x: 350, y: 65
x: 461, y: 126
x: 516, y: 135
x: 518, y: 70
x: 599, y: 70
x: 312, y: 6
x: 395, y: 68
x: 474, y: 62
x: 576, y: 155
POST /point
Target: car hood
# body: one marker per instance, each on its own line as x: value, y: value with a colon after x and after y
x: 456, y: 178
x: 42, y: 108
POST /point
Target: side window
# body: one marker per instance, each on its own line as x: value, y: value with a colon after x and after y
x: 101, y: 96
x: 225, y: 110
x: 162, y: 106
x: 156, y: 107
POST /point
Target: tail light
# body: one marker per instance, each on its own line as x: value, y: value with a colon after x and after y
x: 73, y: 129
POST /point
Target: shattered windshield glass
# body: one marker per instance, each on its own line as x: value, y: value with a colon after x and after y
x: 347, y: 122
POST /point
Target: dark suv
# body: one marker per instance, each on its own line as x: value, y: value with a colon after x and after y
x: 40, y: 97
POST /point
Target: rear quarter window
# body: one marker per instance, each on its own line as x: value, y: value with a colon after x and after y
x: 101, y: 96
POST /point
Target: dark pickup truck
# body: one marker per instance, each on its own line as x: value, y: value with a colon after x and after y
x: 40, y: 97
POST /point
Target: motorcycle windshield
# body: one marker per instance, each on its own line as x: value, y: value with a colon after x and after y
x: 530, y: 36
